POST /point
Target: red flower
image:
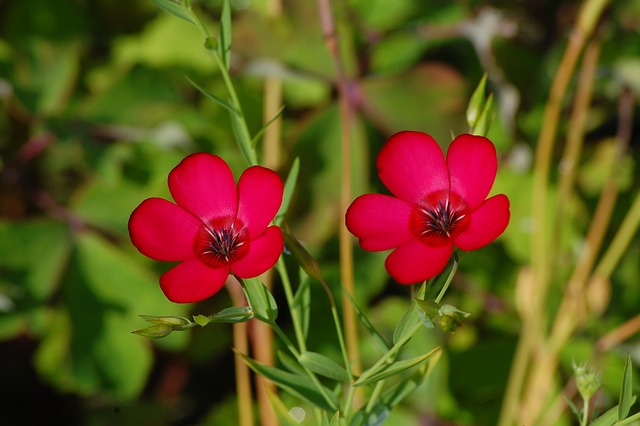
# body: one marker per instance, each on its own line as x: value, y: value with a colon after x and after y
x: 213, y: 229
x: 439, y: 204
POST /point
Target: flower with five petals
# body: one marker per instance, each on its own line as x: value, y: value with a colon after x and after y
x: 439, y: 203
x: 213, y: 228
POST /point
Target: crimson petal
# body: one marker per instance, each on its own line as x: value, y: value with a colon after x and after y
x: 381, y: 222
x: 259, y: 198
x: 203, y: 184
x: 414, y: 261
x: 163, y: 231
x: 192, y: 281
x: 262, y: 254
x: 485, y: 224
x: 472, y: 166
x: 412, y: 166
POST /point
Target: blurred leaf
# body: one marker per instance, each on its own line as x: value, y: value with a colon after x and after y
x: 609, y: 418
x: 477, y: 102
x: 156, y: 331
x: 378, y: 14
x: 397, y: 52
x: 324, y: 366
x: 429, y: 98
x: 626, y: 390
x: 594, y: 174
x: 296, y: 385
x: 34, y: 255
x: 374, y: 417
x: 302, y: 302
x: 397, y: 367
x: 261, y: 300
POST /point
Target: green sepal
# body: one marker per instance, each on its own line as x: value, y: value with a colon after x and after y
x: 324, y: 366
x: 388, y: 370
x: 170, y: 320
x: 230, y: 315
x: 156, y: 331
x: 261, y: 300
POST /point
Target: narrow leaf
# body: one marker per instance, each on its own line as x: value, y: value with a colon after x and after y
x: 225, y: 34
x: 174, y: 8
x: 261, y: 300
x: 289, y: 187
x: 398, y: 367
x: 290, y: 363
x: 486, y: 118
x: 476, y: 103
x: 396, y: 394
x: 212, y: 97
x: 302, y: 303
x: 335, y: 420
x: 324, y: 366
x: 169, y: 320
x: 609, y: 418
x: 242, y: 138
x: 377, y: 337
x: 626, y: 390
x: 256, y: 138
x: 297, y: 385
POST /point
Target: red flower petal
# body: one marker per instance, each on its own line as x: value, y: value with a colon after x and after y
x: 162, y: 230
x: 414, y: 261
x: 259, y: 198
x: 381, y: 222
x: 192, y: 281
x: 412, y: 166
x: 472, y: 166
x: 262, y: 254
x: 203, y: 184
x: 485, y: 224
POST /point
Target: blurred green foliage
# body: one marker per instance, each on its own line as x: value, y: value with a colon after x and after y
x: 95, y: 110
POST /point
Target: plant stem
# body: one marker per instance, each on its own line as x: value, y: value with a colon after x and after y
x: 293, y: 310
x: 585, y: 412
x: 628, y: 420
x: 447, y: 283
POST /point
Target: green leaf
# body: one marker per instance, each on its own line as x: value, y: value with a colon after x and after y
x: 245, y: 144
x: 170, y: 320
x: 289, y: 187
x: 407, y: 322
x: 298, y: 385
x: 476, y: 103
x: 609, y: 418
x: 397, y: 367
x: 374, y: 417
x: 174, y: 9
x: 261, y: 300
x: 213, y: 97
x: 377, y: 337
x: 626, y: 390
x: 224, y: 48
x: 486, y: 118
x: 290, y: 363
x: 256, y: 138
x: 393, y: 396
x: 324, y: 366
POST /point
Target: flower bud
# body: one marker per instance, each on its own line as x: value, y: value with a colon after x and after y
x: 155, y: 331
x: 587, y: 380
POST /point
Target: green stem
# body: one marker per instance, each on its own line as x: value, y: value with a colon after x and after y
x: 447, y: 283
x: 585, y: 412
x: 295, y: 313
x: 244, y: 136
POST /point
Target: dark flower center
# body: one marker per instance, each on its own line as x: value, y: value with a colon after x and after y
x: 439, y: 219
x: 221, y: 245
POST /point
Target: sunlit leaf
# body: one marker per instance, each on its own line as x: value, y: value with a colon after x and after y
x: 261, y: 300
x: 174, y: 8
x: 397, y: 367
